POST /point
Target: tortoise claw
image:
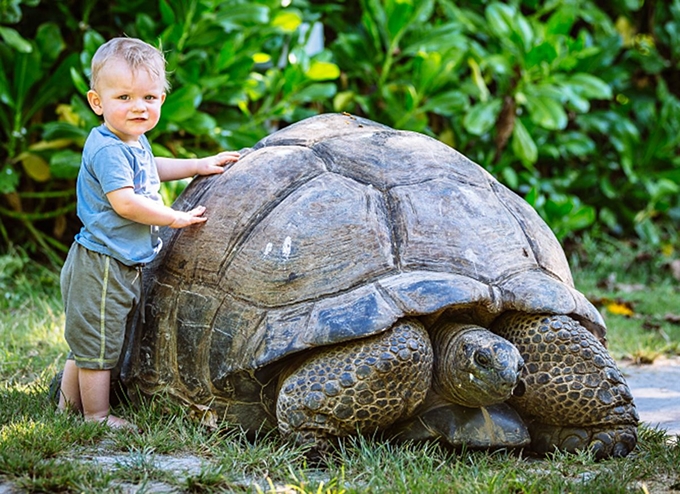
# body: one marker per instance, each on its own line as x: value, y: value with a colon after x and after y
x: 614, y: 442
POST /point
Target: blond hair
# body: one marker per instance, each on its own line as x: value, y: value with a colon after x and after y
x: 137, y: 54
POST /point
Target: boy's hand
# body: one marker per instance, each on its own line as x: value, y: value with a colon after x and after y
x: 186, y: 218
x: 216, y: 163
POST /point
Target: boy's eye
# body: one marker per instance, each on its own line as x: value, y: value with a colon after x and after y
x: 150, y: 97
x: 124, y: 97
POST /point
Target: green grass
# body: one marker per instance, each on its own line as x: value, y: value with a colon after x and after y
x: 42, y: 450
x: 621, y: 277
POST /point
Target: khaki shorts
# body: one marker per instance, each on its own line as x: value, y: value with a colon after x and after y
x: 100, y: 295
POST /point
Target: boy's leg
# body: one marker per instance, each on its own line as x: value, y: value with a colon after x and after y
x: 94, y: 392
x: 69, y: 397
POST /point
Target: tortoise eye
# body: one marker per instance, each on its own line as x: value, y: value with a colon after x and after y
x: 483, y: 358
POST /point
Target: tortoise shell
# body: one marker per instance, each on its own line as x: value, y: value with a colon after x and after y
x: 329, y: 230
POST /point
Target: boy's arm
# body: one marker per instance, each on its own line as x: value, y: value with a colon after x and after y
x: 176, y: 168
x: 141, y: 209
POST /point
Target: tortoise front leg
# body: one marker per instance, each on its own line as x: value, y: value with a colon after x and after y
x: 359, y: 386
x: 575, y: 396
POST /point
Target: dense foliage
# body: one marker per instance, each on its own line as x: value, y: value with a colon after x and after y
x: 572, y: 103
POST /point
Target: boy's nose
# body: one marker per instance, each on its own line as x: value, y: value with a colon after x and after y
x: 138, y: 105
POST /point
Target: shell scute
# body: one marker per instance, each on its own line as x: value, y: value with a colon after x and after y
x: 330, y: 235
x: 237, y: 201
x: 444, y: 225
x: 427, y: 292
x: 391, y: 158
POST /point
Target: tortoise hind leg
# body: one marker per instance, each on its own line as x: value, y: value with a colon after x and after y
x: 575, y: 396
x: 359, y: 386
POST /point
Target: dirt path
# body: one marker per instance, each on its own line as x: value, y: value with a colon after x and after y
x: 656, y: 389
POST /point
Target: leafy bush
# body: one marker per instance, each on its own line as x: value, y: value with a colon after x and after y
x: 573, y: 104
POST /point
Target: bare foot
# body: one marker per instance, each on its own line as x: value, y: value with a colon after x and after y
x: 114, y: 422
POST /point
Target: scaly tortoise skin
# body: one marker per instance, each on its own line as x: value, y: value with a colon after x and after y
x: 352, y: 277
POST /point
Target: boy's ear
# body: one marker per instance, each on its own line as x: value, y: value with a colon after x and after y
x: 95, y: 102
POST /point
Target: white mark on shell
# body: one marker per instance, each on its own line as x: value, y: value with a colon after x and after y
x: 268, y: 248
x: 285, y: 248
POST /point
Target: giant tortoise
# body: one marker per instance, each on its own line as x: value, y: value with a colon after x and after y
x: 355, y: 278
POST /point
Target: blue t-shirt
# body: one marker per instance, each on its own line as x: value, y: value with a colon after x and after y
x: 109, y: 164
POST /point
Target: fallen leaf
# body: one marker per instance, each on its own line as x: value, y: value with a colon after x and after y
x: 204, y: 415
x: 675, y: 269
x: 672, y: 318
x: 620, y: 308
x: 615, y: 306
x: 630, y: 287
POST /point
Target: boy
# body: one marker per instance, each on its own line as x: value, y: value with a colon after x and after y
x: 121, y: 210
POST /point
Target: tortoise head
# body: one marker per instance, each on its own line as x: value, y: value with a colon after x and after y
x: 474, y: 367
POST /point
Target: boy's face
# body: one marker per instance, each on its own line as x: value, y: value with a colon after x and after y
x: 130, y: 102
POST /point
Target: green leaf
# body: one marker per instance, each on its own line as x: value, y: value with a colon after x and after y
x: 478, y: 80
x: 92, y: 40
x: 199, y: 124
x: 287, y: 21
x: 343, y: 101
x: 607, y: 188
x: 235, y: 17
x: 524, y: 31
x: 79, y: 81
x: 35, y: 166
x: 15, y: 40
x: 182, y: 104
x: 590, y: 86
x: 577, y: 144
x: 442, y: 39
x: 482, y: 117
x: 562, y: 20
x: 510, y: 177
x: 575, y: 99
x: 373, y: 19
x: 49, y: 41
x: 543, y: 53
x: 316, y: 92
x: 523, y: 145
x: 322, y: 71
x: 9, y: 179
x: 399, y: 17
x: 426, y: 68
x: 546, y: 111
x: 533, y: 196
x: 167, y: 14
x: 63, y: 130
x: 647, y: 231
x: 26, y: 73
x: 65, y: 164
x: 56, y: 86
x: 559, y: 209
x: 6, y: 96
x: 580, y: 218
x: 505, y: 22
x: 499, y: 17
x: 448, y: 103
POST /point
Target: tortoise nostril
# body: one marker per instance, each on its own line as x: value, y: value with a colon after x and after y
x: 509, y: 377
x: 520, y: 389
